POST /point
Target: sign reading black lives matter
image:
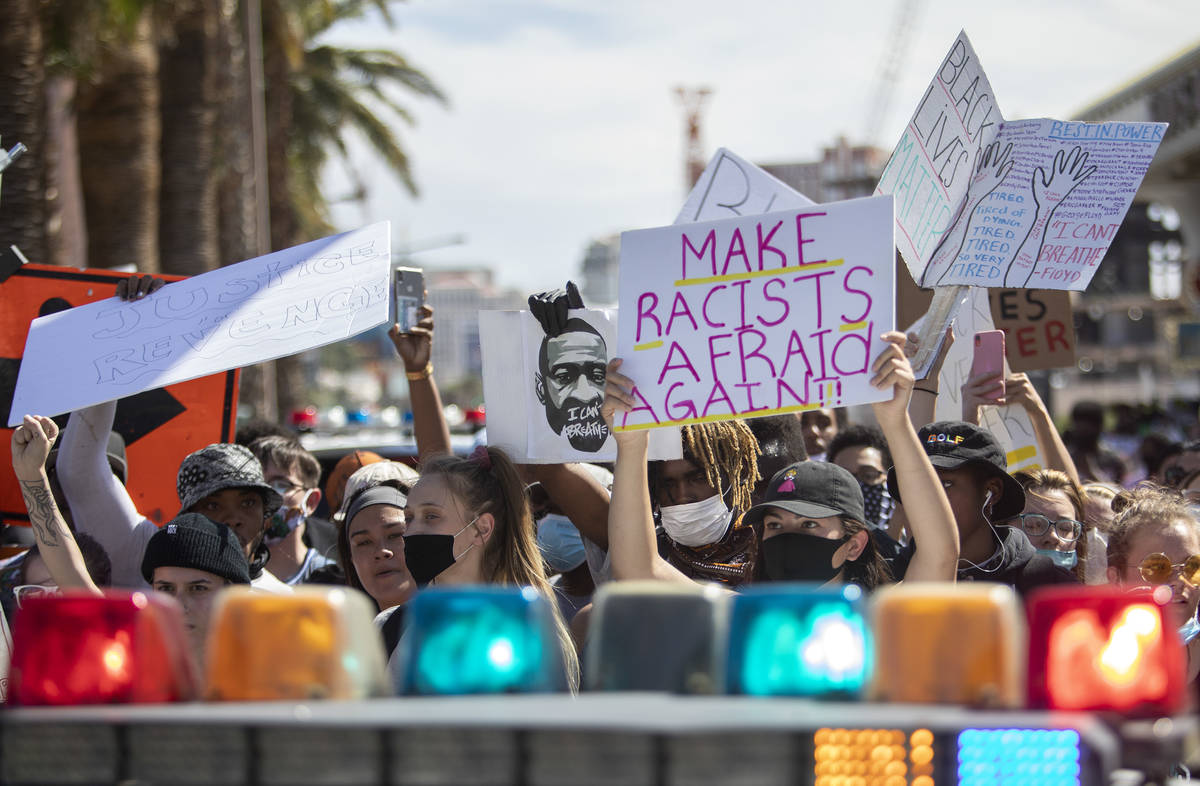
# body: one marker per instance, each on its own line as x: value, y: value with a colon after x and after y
x: 543, y: 393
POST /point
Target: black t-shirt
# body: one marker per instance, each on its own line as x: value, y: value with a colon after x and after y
x: 1019, y: 566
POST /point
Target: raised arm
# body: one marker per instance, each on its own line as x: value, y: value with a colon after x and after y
x: 1021, y: 392
x: 631, y: 542
x: 31, y: 443
x: 100, y: 505
x: 416, y: 350
x: 930, y: 519
x: 923, y: 402
x: 578, y: 495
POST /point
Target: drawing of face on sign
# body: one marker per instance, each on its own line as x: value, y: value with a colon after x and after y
x: 570, y: 384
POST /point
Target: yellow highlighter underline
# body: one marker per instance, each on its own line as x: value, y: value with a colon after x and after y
x: 781, y: 271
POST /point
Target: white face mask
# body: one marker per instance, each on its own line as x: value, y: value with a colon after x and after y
x: 696, y: 523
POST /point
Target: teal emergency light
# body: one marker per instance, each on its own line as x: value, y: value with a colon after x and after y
x: 799, y: 640
x: 479, y: 640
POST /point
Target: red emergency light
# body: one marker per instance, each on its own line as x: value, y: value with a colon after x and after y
x: 122, y: 648
x: 1101, y: 648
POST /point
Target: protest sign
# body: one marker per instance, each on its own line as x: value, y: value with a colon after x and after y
x: 1011, y: 426
x: 985, y: 202
x: 549, y: 390
x: 752, y: 316
x: 261, y: 309
x: 160, y: 427
x: 1039, y: 328
x: 732, y: 186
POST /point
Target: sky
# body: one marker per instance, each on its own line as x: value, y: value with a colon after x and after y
x: 563, y: 126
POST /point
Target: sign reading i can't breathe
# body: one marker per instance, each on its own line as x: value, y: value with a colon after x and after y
x: 758, y: 315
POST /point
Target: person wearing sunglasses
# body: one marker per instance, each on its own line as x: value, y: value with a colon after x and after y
x: 1156, y: 542
x: 1052, y: 518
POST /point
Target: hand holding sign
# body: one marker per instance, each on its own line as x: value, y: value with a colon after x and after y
x: 618, y: 400
x: 892, y: 370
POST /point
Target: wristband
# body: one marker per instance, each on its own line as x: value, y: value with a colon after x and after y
x: 926, y: 390
x: 424, y: 373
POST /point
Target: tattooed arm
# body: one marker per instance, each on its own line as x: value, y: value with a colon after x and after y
x: 31, y: 443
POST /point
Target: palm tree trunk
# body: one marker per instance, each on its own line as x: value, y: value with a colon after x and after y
x: 119, y: 135
x: 187, y: 221
x: 232, y: 153
x: 22, y: 119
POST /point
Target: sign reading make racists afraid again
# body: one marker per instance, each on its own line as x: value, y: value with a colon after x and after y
x: 759, y: 315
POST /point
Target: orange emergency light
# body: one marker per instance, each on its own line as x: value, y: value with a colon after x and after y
x: 949, y: 644
x: 1104, y: 648
x: 317, y: 643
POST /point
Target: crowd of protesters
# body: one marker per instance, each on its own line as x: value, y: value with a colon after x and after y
x: 812, y: 497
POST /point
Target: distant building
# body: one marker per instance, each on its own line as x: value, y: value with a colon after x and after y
x: 600, y: 265
x: 845, y: 171
x: 457, y: 297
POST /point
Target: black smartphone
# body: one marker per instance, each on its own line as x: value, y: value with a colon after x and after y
x: 408, y: 295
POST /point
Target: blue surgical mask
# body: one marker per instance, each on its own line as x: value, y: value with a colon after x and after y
x: 1063, y: 559
x: 560, y: 543
x: 1190, y: 630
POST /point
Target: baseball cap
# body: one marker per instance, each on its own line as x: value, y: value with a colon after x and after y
x: 951, y: 444
x: 812, y: 488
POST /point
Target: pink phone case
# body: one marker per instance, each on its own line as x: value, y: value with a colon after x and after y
x: 989, y: 353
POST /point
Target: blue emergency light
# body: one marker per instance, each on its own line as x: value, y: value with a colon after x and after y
x: 480, y: 640
x: 799, y: 640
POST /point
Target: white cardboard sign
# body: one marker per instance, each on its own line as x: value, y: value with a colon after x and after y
x: 546, y: 393
x: 985, y: 202
x: 732, y: 186
x: 264, y: 308
x: 759, y: 315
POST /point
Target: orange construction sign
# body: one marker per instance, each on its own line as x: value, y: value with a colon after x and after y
x: 160, y: 427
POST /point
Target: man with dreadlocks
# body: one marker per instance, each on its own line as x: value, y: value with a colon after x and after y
x: 701, y: 498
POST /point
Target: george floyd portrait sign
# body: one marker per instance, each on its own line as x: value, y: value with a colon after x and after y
x: 547, y: 400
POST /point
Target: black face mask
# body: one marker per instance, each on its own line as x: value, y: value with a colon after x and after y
x: 427, y: 556
x: 794, y: 556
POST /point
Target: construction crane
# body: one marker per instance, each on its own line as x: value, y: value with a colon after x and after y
x: 693, y: 100
x: 890, y: 66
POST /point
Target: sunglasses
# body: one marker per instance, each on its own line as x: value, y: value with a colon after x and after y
x: 1036, y: 525
x: 23, y: 592
x: 1158, y: 569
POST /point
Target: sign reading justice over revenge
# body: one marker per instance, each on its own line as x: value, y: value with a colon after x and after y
x: 261, y: 309
x: 757, y: 315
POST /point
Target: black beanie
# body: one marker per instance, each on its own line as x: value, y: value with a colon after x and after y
x: 191, y: 540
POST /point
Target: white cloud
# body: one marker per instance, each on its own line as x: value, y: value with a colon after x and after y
x: 562, y: 125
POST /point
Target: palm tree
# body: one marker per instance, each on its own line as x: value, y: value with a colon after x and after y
x: 22, y: 119
x: 315, y: 92
x: 335, y: 89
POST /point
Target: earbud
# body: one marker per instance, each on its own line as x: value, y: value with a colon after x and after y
x: 987, y: 498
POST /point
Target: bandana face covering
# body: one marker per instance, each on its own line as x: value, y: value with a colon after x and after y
x: 428, y: 556
x: 794, y: 556
x: 696, y: 523
x: 282, y: 523
x: 877, y: 504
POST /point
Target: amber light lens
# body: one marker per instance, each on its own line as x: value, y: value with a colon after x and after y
x: 873, y: 757
x: 949, y: 644
x: 317, y: 643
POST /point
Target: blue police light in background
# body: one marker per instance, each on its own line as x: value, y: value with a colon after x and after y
x: 480, y: 640
x: 1028, y: 757
x: 799, y: 640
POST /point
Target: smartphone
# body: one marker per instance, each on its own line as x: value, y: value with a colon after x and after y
x: 989, y: 353
x: 408, y: 295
